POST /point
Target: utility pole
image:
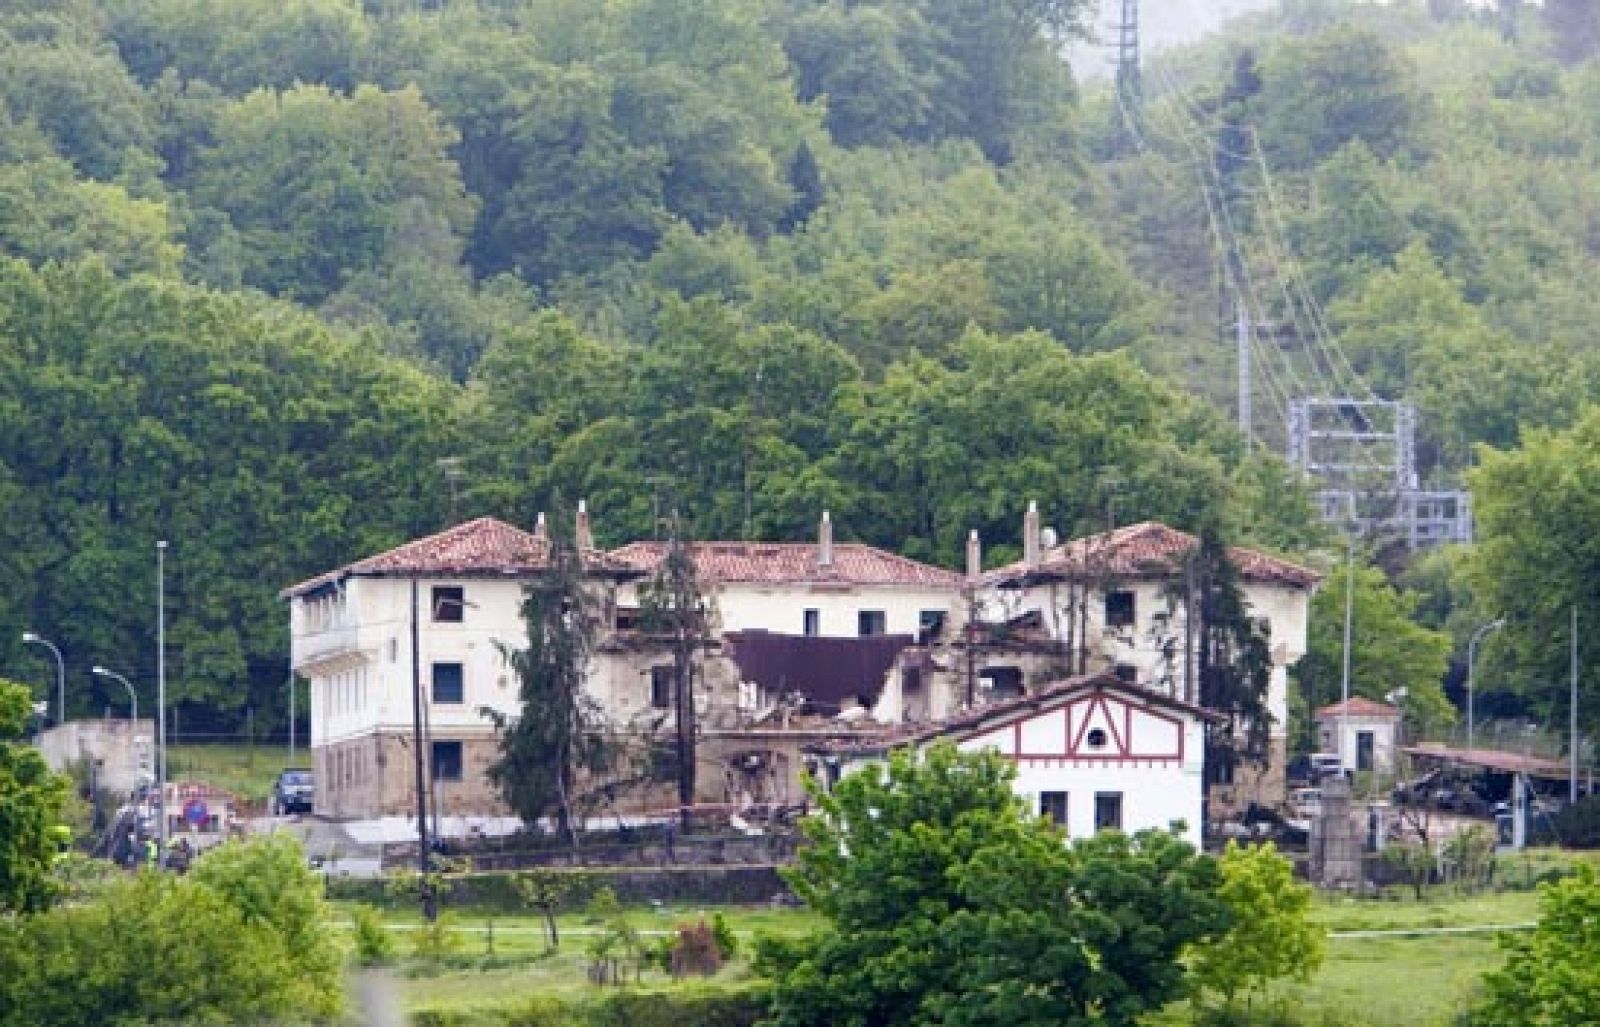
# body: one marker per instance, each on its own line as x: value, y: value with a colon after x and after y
x: 1246, y: 418
x: 425, y: 890
x: 1572, y: 727
x: 1344, y: 677
x: 1130, y: 85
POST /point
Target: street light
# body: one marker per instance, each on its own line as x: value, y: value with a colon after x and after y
x: 133, y: 698
x: 133, y: 717
x: 30, y: 638
x: 1472, y: 651
x: 161, y: 698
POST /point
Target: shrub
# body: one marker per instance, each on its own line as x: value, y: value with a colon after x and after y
x: 696, y: 951
x: 437, y: 940
x: 374, y: 943
x: 727, y: 941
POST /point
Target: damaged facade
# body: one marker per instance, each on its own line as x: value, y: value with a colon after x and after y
x: 809, y: 644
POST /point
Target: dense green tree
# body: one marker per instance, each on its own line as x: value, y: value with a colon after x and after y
x: 1233, y: 661
x: 83, y: 100
x: 211, y: 947
x: 1345, y: 84
x: 318, y: 185
x: 945, y: 903
x: 555, y: 741
x: 31, y: 802
x: 1389, y: 650
x: 1548, y: 977
x: 1538, y: 557
x: 1270, y: 936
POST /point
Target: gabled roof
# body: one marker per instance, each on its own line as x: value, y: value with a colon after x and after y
x: 1149, y: 549
x: 971, y: 722
x: 1358, y: 706
x: 791, y: 564
x: 479, y: 548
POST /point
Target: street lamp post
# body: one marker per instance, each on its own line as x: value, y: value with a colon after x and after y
x: 31, y: 638
x: 161, y: 699
x: 133, y: 697
x: 1472, y: 652
x: 133, y: 715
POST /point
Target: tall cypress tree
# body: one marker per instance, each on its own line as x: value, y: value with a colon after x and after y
x: 672, y: 606
x: 1233, y: 663
x: 558, y: 735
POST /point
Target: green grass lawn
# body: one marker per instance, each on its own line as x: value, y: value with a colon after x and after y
x: 1385, y: 981
x: 246, y: 771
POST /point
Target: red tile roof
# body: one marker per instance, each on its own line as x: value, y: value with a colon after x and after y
x: 792, y: 563
x: 485, y: 546
x: 1358, y: 706
x: 1145, y: 550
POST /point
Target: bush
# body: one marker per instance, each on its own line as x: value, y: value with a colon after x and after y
x: 437, y: 940
x: 374, y: 944
x: 689, y: 1006
x: 727, y: 941
x: 695, y: 951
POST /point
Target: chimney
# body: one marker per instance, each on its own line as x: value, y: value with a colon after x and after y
x: 1030, y: 535
x: 974, y: 556
x: 825, y: 541
x: 540, y: 529
x: 585, y: 537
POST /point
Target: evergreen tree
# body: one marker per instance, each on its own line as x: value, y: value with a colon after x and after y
x: 1233, y: 662
x: 557, y: 737
x: 672, y: 606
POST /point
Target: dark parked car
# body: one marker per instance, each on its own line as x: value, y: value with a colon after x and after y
x: 294, y: 792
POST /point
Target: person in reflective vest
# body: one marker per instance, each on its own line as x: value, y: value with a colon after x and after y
x: 152, y: 851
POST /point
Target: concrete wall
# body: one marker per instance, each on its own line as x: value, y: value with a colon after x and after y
x: 121, y: 750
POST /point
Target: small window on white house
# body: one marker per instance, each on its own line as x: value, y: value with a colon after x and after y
x: 811, y: 623
x: 1119, y: 609
x: 1053, y: 807
x: 449, y: 604
x: 1096, y: 738
x: 446, y: 761
x: 449, y: 683
x: 1108, y: 811
x: 872, y: 622
x: 661, y: 687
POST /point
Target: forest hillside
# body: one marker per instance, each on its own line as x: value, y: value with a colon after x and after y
x: 289, y: 281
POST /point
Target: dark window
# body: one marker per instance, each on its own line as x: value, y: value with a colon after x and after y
x: 1119, y: 609
x: 627, y: 618
x: 811, y: 622
x: 449, y: 604
x: 1364, y: 747
x: 1053, y: 806
x: 1002, y: 682
x: 448, y: 683
x: 1108, y: 811
x: 930, y: 625
x: 446, y: 761
x: 872, y: 622
x: 661, y: 689
x: 1127, y: 672
x: 1097, y: 738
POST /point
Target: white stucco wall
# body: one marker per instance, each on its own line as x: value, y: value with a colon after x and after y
x: 358, y: 659
x: 780, y: 608
x: 1330, y: 738
x: 1159, y: 625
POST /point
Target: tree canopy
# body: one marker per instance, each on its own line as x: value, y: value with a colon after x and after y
x: 946, y: 903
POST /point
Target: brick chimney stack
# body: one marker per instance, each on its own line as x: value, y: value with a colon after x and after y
x: 1030, y: 535
x: 585, y: 536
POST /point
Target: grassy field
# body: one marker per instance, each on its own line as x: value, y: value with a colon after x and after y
x: 246, y: 771
x: 1382, y: 979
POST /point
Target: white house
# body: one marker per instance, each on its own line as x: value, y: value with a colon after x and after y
x: 427, y: 621
x: 1116, y: 602
x: 1364, y: 733
x: 1091, y: 753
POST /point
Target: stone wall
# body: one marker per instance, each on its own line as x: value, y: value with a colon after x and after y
x: 121, y: 752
